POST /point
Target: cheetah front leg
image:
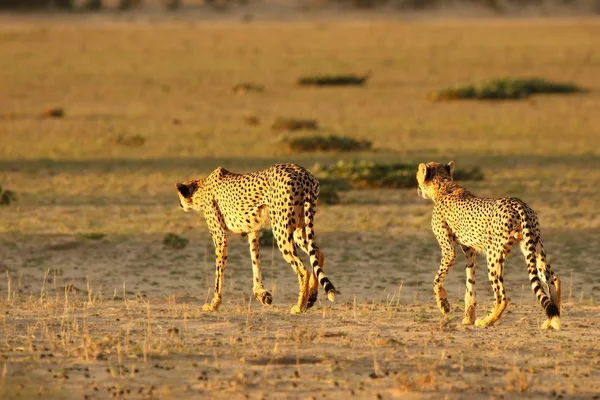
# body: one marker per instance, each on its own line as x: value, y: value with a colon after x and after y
x: 470, y: 301
x: 220, y: 243
x: 216, y: 226
x: 446, y: 240
x: 261, y: 294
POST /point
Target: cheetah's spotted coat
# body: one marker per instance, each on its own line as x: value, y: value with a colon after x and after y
x: 489, y: 226
x: 243, y: 203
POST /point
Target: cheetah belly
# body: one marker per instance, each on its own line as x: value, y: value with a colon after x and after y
x: 249, y: 220
x: 470, y: 234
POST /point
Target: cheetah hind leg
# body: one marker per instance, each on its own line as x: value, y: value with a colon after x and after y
x: 262, y: 295
x: 313, y: 283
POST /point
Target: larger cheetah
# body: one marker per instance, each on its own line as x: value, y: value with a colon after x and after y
x: 243, y: 203
x: 489, y: 226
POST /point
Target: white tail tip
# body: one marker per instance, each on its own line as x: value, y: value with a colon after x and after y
x: 331, y: 296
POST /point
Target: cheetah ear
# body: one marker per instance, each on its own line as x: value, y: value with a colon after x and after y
x: 450, y: 167
x: 186, y: 190
x: 425, y: 171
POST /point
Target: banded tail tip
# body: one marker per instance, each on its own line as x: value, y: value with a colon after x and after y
x: 331, y: 295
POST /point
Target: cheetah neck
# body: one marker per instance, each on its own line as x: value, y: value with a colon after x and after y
x: 450, y: 189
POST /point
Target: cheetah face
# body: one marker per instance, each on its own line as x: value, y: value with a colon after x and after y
x: 188, y: 195
x: 430, y: 175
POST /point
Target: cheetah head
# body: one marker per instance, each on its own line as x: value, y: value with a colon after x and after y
x: 189, y: 195
x: 430, y: 176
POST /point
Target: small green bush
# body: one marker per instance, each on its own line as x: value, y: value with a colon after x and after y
x: 333, y: 80
x: 504, y: 89
x: 329, y: 195
x: 174, y: 241
x: 7, y: 197
x: 91, y: 236
x: 368, y: 174
x: 327, y: 143
x: 265, y: 237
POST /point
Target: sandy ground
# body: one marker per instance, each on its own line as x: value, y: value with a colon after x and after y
x: 122, y: 318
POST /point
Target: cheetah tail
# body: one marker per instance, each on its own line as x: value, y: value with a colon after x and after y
x: 529, y: 244
x: 315, y: 260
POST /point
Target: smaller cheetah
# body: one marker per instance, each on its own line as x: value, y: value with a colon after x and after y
x: 489, y: 226
x: 285, y: 194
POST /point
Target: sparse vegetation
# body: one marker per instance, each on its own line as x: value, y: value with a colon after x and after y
x: 53, y: 112
x: 294, y: 124
x: 130, y: 140
x: 247, y: 87
x: 333, y: 80
x: 369, y: 174
x: 251, y: 120
x: 327, y: 143
x: 91, y: 236
x: 174, y: 241
x: 505, y: 89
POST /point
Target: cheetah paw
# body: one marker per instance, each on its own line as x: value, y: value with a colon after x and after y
x: 312, y: 299
x: 552, y: 323
x: 467, y: 321
x: 209, y: 307
x: 444, y: 306
x: 264, y: 297
x: 296, y: 309
x: 482, y: 322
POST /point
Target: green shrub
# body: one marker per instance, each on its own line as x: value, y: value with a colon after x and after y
x: 333, y: 80
x: 91, y: 236
x: 368, y: 174
x: 505, y: 88
x: 7, y: 197
x: 265, y: 237
x: 174, y: 241
x: 329, y: 195
x: 327, y: 143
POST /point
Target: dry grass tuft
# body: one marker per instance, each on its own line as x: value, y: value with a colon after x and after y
x: 247, y: 87
x: 251, y: 120
x: 53, y: 112
x: 174, y: 241
x: 130, y: 140
x: 519, y: 381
